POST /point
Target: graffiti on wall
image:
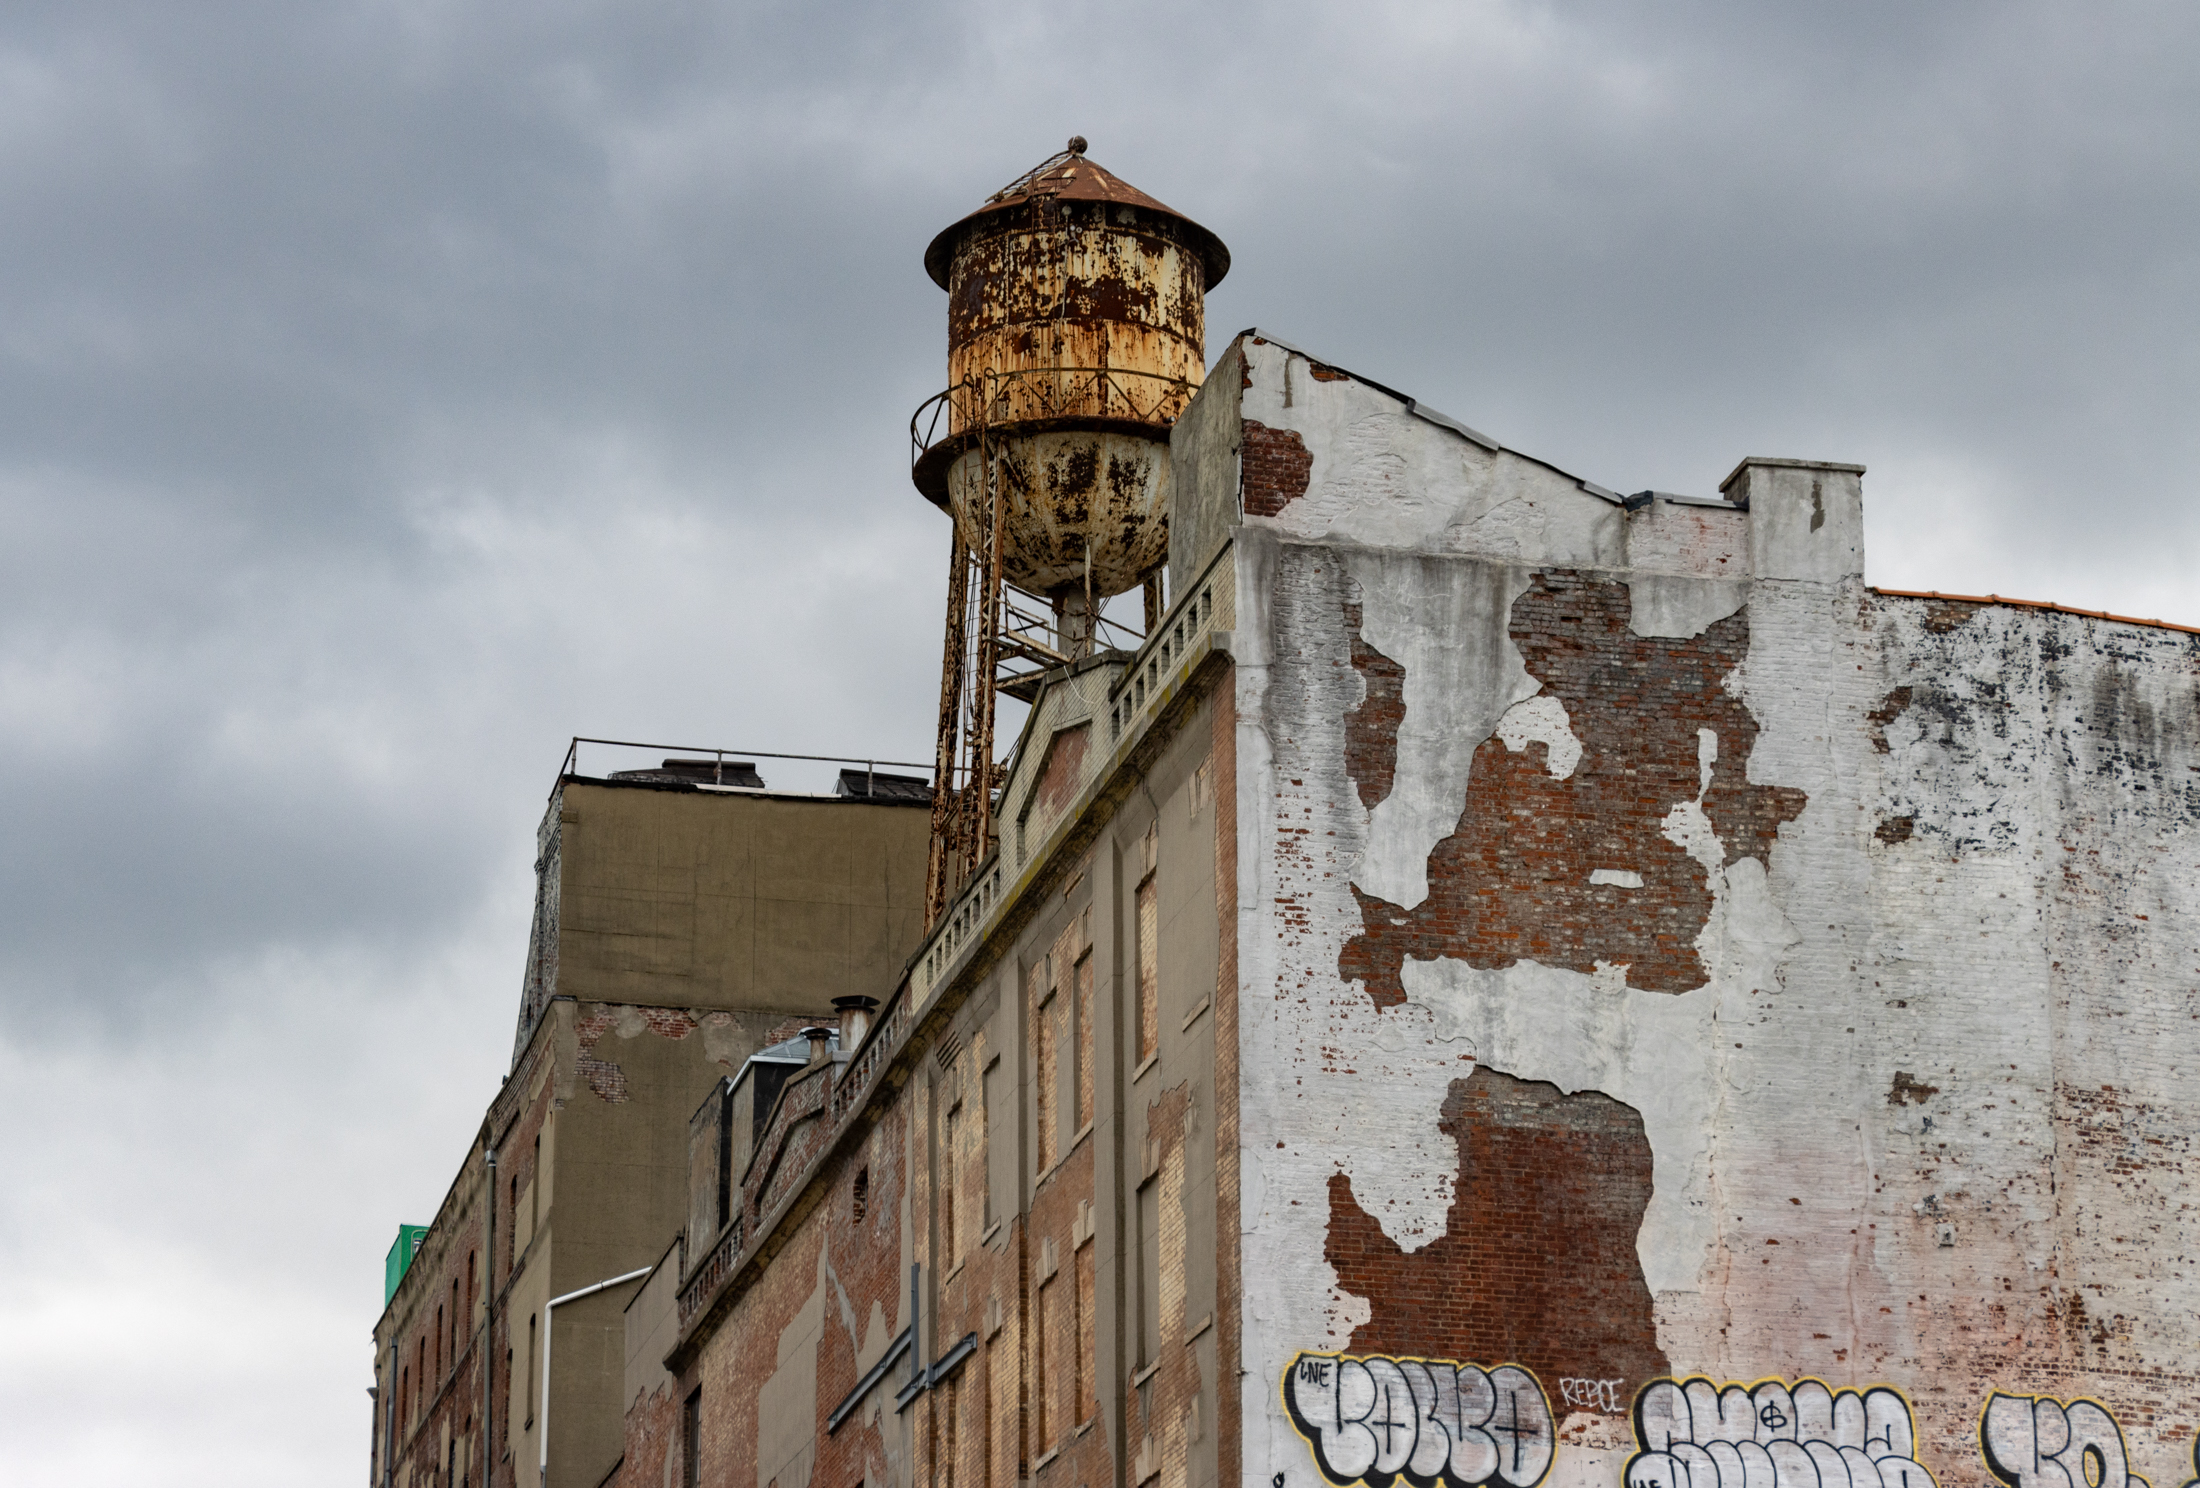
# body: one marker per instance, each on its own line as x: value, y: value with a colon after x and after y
x: 1697, y: 1434
x: 1374, y: 1419
x: 2036, y: 1441
x: 1608, y: 1396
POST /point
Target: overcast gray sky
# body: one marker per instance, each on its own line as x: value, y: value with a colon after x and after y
x: 391, y: 390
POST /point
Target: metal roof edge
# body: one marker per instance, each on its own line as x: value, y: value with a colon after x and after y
x: 2033, y: 604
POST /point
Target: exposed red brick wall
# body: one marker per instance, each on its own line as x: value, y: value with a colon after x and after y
x: 1274, y: 466
x: 1538, y: 1264
x: 1064, y: 769
x: 1512, y: 881
x: 652, y: 1439
x: 1371, y: 725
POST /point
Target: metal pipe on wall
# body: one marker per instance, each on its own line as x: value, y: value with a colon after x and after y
x: 543, y: 1439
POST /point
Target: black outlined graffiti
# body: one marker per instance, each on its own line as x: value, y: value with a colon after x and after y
x: 1375, y: 1420
x: 2036, y: 1441
x: 1608, y: 1396
x: 1697, y: 1434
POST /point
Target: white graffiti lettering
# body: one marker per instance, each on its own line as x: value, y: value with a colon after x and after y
x: 1591, y: 1394
x: 2033, y: 1441
x: 1697, y: 1434
x: 1374, y: 1420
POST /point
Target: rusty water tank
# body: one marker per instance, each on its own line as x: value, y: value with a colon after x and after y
x: 1076, y: 333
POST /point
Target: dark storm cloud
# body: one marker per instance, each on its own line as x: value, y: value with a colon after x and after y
x: 388, y: 391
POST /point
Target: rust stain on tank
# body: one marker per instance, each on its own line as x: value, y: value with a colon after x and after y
x: 1076, y: 335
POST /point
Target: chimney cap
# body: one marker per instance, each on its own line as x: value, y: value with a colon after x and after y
x: 856, y: 1000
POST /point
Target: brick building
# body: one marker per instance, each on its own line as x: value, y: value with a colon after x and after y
x: 1508, y: 983
x: 686, y: 918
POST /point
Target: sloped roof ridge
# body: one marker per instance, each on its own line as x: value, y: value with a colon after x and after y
x: 1422, y: 411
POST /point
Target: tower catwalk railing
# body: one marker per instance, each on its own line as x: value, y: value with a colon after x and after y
x: 1029, y: 395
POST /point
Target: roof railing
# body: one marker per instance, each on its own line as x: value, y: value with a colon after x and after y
x: 573, y: 754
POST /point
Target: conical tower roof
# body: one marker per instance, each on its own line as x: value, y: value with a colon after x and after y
x: 1068, y: 176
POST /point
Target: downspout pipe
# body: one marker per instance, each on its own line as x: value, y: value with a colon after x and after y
x: 389, y: 1415
x: 555, y: 1302
x: 489, y: 1318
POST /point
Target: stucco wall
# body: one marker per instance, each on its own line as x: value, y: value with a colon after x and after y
x: 1865, y: 927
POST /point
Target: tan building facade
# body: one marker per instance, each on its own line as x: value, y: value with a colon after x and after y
x: 680, y: 927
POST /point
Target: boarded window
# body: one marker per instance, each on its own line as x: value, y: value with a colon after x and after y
x: 691, y: 1440
x: 1084, y: 1042
x: 1043, y: 1060
x: 985, y: 1141
x: 950, y: 1168
x: 1149, y: 971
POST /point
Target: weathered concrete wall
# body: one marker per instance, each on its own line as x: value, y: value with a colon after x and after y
x: 1664, y: 957
x: 675, y: 896
x: 711, y: 926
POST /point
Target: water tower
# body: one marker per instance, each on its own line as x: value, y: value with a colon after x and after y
x: 1076, y: 333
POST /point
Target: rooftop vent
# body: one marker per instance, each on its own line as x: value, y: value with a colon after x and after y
x: 740, y: 773
x: 876, y: 785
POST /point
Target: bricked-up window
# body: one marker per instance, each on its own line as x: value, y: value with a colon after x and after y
x: 1088, y: 1402
x: 1043, y: 1058
x: 1149, y: 1272
x: 951, y: 1458
x: 1149, y: 970
x: 1085, y: 1047
x: 473, y: 1295
x: 859, y: 1197
x: 985, y: 1421
x: 404, y: 1399
x: 1042, y: 1345
x: 440, y: 1356
x: 932, y: 1435
x: 691, y: 1440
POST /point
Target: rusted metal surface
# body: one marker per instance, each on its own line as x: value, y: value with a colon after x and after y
x: 1076, y: 505
x: 1076, y: 335
x: 1065, y: 178
x: 1085, y: 294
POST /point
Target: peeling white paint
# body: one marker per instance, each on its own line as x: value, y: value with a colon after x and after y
x: 1542, y: 720
x: 1678, y: 606
x: 1444, y: 622
x: 2001, y: 909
